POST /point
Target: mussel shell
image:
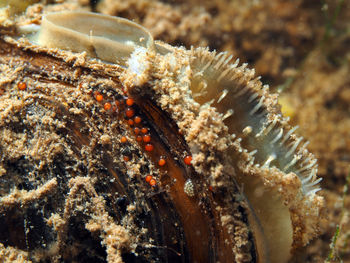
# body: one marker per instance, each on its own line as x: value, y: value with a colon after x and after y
x: 54, y: 131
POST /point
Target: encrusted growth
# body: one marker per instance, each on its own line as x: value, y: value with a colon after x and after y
x: 268, y: 142
x: 208, y: 126
x: 266, y: 135
x: 267, y: 156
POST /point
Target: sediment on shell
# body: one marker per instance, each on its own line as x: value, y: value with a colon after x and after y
x: 195, y: 102
x: 196, y: 87
x: 57, y: 106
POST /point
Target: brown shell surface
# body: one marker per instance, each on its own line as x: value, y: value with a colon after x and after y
x: 68, y: 187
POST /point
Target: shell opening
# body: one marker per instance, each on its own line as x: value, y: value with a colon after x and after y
x: 108, y: 38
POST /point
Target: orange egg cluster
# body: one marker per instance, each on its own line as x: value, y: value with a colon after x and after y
x: 133, y: 117
x: 150, y: 180
x: 109, y: 106
x: 141, y: 132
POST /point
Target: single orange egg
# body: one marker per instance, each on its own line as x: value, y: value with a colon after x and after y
x: 161, y: 162
x: 107, y: 106
x: 99, y: 97
x: 148, y: 178
x: 129, y: 112
x: 152, y: 182
x: 136, y: 130
x: 131, y: 122
x: 137, y: 119
x: 188, y: 160
x: 146, y: 138
x: 123, y: 139
x: 129, y: 102
x: 149, y: 147
x: 21, y: 85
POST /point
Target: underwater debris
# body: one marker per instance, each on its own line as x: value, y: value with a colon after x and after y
x: 208, y: 125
